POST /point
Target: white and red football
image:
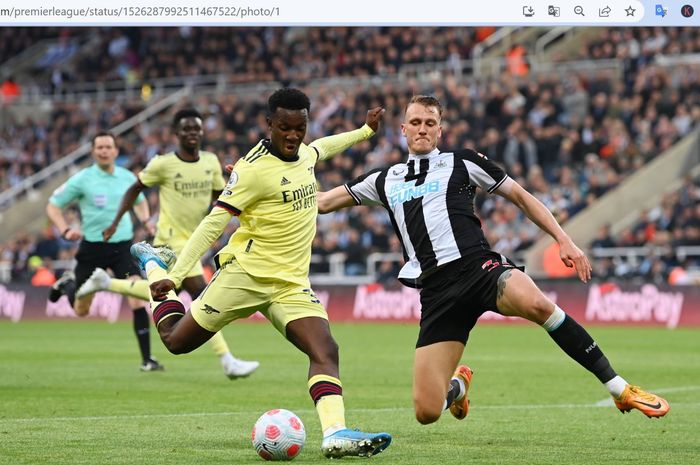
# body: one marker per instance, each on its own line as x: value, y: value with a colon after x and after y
x: 278, y: 435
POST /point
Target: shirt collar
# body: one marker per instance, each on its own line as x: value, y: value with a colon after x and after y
x: 101, y: 172
x: 267, y: 143
x: 413, y: 156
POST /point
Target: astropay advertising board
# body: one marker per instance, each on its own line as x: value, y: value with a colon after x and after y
x: 598, y: 303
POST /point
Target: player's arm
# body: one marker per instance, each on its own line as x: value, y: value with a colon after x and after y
x: 127, y: 203
x: 203, y: 237
x: 65, y: 194
x: 143, y: 214
x: 327, y: 147
x: 334, y: 199
x: 570, y: 254
x: 55, y: 214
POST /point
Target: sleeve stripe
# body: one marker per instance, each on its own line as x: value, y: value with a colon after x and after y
x: 352, y: 194
x: 260, y: 150
x: 318, y: 154
x: 229, y: 208
x: 497, y: 185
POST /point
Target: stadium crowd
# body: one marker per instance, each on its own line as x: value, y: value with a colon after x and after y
x: 568, y: 140
x: 674, y: 223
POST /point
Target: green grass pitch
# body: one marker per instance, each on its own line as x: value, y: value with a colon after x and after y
x: 71, y: 393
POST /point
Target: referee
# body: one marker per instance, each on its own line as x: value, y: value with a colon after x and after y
x: 98, y: 191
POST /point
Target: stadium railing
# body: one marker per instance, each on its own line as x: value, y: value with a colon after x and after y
x: 633, y: 254
x: 218, y: 84
x: 7, y: 197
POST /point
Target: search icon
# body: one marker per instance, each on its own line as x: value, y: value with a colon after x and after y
x: 579, y: 10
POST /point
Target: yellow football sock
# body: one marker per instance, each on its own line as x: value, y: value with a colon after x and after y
x: 330, y: 407
x: 138, y: 289
x: 218, y: 343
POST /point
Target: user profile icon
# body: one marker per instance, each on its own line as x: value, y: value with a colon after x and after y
x: 687, y: 11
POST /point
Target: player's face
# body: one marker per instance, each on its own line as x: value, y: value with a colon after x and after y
x: 421, y: 127
x: 104, y: 151
x: 189, y: 132
x: 287, y: 130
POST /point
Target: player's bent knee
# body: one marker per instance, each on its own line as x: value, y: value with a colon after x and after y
x: 426, y: 415
x: 427, y: 412
x: 540, y: 309
x: 326, y: 356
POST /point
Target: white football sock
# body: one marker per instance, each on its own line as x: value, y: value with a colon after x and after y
x: 555, y: 319
x: 616, y: 385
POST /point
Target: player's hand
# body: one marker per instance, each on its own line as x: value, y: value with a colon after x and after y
x: 572, y: 256
x: 160, y: 289
x: 109, y: 232
x: 72, y: 235
x: 228, y: 168
x: 374, y: 117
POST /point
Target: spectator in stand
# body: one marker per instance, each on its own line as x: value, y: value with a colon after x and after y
x: 603, y: 238
x: 9, y: 91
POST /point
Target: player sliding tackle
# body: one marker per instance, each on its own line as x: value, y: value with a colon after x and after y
x: 430, y: 199
x: 265, y: 265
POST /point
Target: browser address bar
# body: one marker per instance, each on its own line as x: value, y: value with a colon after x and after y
x: 316, y: 12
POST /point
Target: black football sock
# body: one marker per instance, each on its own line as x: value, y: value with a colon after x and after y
x: 452, y: 393
x: 141, y: 328
x: 69, y: 290
x: 579, y: 345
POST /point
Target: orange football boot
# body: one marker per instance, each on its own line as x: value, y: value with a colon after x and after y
x: 460, y: 408
x: 649, y: 404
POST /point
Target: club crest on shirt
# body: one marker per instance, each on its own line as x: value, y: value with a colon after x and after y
x: 440, y: 164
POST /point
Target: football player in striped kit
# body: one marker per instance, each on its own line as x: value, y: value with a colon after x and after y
x: 430, y: 200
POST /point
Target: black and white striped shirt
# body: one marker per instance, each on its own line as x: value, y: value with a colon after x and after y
x: 430, y: 200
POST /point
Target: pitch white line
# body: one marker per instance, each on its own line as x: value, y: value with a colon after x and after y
x: 608, y: 402
x: 306, y: 411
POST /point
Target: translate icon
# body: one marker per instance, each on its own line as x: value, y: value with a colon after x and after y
x: 660, y: 10
x: 553, y: 11
x: 604, y: 12
x: 579, y: 10
x: 528, y: 11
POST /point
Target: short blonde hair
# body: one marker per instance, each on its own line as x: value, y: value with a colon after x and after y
x: 427, y: 101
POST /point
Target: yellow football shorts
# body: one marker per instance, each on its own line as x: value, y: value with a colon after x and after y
x: 232, y: 293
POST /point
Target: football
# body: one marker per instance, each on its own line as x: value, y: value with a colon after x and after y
x: 278, y: 435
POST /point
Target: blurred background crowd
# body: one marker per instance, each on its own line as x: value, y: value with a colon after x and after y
x: 567, y: 138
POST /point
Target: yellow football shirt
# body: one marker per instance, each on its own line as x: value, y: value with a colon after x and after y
x: 276, y: 203
x: 185, y: 190
x: 275, y: 199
